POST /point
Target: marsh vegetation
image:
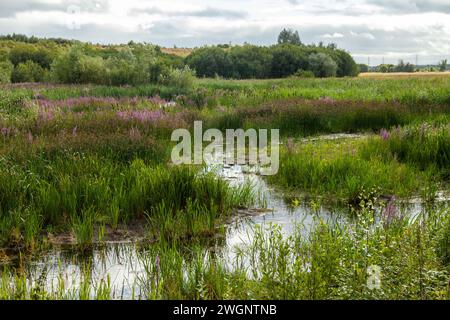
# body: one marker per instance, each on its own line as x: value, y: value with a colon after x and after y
x: 86, y: 181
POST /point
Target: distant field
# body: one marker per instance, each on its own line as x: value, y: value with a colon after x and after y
x: 181, y: 52
x: 403, y: 74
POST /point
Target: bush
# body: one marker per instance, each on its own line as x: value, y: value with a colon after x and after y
x: 182, y: 79
x: 28, y: 72
x: 41, y: 55
x: 76, y: 67
x: 322, y: 65
x: 6, y: 69
x: 304, y: 74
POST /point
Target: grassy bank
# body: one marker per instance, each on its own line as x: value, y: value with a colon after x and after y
x: 402, y: 162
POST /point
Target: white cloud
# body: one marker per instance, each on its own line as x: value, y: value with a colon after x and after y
x: 335, y: 35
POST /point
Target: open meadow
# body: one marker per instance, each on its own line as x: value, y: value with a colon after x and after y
x: 92, y: 207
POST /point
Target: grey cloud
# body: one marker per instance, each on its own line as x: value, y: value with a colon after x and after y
x: 208, y: 12
x: 9, y: 9
x: 412, y: 6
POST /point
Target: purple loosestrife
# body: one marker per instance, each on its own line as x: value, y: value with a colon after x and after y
x: 144, y: 116
x: 391, y: 213
x: 45, y: 115
x: 385, y: 135
x: 103, y: 101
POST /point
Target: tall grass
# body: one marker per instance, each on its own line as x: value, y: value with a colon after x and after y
x: 336, y: 169
x: 88, y: 191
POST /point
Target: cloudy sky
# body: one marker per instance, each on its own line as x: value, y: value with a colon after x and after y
x: 382, y: 30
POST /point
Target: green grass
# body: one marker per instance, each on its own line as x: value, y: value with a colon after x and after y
x: 404, y: 164
x: 83, y: 191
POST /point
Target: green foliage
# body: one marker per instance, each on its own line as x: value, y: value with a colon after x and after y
x: 6, y: 69
x: 363, y: 67
x: 250, y: 62
x: 132, y: 65
x: 334, y: 168
x: 183, y: 79
x: 304, y: 74
x: 386, y: 68
x: 28, y: 71
x: 283, y: 60
x: 404, y: 67
x: 443, y: 65
x: 287, y: 59
x: 211, y: 61
x: 424, y: 146
x: 39, y: 54
x: 322, y: 65
x: 289, y: 36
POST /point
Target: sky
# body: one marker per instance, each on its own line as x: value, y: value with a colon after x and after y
x: 371, y: 30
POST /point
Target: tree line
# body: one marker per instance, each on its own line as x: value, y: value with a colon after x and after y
x: 30, y: 59
x: 287, y: 58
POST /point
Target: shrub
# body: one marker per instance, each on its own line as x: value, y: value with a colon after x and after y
x: 6, y: 69
x: 322, y: 65
x: 28, y: 71
x: 179, y: 78
x: 304, y: 74
x: 77, y: 67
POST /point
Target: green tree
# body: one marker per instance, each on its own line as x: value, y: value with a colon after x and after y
x: 288, y: 59
x: 75, y: 66
x: 28, y: 71
x: 322, y: 65
x: 363, y: 67
x: 404, y: 67
x: 289, y: 36
x: 443, y: 65
x: 346, y: 65
x: 251, y: 62
x: 211, y: 61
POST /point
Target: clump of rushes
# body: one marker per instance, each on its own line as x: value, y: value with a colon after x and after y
x: 83, y: 192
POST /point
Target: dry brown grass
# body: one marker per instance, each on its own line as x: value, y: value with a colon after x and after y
x: 181, y: 52
x: 403, y: 74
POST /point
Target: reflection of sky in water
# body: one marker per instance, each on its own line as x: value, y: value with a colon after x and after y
x: 124, y: 264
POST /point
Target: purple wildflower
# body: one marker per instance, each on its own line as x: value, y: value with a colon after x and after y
x: 141, y: 115
x: 45, y: 115
x: 385, y: 135
x: 390, y: 212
